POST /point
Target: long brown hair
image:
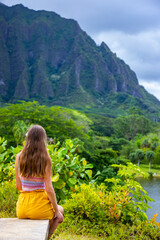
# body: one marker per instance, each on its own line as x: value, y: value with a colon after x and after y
x: 34, y: 156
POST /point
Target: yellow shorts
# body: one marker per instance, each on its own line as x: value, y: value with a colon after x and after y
x: 34, y: 205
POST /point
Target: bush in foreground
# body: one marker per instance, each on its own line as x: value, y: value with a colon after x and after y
x: 8, y: 199
x: 119, y: 213
x: 112, y: 215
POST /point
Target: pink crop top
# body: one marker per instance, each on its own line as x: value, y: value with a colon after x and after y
x: 31, y: 183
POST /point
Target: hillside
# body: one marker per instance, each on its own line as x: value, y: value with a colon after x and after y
x: 48, y: 58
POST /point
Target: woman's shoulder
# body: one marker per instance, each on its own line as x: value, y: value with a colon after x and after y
x: 17, y: 161
x: 48, y: 164
x: 49, y: 160
x: 18, y: 156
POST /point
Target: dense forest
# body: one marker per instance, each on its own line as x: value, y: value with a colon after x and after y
x: 94, y: 162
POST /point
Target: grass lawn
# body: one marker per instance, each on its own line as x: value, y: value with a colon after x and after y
x: 155, y: 169
x: 4, y: 214
x: 72, y: 236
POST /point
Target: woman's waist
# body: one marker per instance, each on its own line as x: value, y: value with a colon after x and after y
x: 33, y: 191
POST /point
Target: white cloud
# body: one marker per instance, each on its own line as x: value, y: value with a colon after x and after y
x: 152, y: 87
x: 96, y: 16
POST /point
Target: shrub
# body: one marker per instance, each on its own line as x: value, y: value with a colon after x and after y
x: 68, y: 168
x: 6, y: 161
x: 8, y: 198
x: 94, y: 206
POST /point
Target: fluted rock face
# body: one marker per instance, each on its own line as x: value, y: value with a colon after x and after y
x: 49, y: 58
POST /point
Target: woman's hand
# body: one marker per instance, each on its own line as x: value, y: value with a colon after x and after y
x: 59, y: 216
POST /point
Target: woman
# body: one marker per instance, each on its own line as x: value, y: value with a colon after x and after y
x: 33, y: 179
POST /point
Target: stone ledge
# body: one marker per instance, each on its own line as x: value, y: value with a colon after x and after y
x: 23, y: 229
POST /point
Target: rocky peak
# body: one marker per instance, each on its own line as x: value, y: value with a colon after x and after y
x: 50, y: 59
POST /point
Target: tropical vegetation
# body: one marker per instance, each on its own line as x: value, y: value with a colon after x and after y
x: 95, y: 163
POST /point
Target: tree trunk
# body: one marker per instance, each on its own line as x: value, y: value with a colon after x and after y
x: 149, y: 166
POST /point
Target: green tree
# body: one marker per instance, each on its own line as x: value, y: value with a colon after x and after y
x: 58, y: 122
x: 132, y: 157
x: 136, y: 156
x: 102, y: 126
x: 128, y: 149
x: 157, y: 156
x: 19, y: 130
x: 150, y: 156
x: 146, y: 143
x: 131, y: 125
x: 134, y: 111
x: 154, y: 143
x: 117, y: 143
x: 102, y: 157
x: 139, y: 155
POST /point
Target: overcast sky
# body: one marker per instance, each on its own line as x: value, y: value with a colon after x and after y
x: 131, y: 29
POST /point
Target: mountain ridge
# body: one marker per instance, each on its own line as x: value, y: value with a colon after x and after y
x: 48, y: 58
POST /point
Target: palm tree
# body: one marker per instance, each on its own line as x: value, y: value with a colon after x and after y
x: 132, y: 157
x: 150, y: 157
x: 139, y: 155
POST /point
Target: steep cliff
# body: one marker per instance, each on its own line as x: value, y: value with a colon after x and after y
x: 50, y: 59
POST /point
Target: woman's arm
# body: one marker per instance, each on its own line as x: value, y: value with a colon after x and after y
x: 50, y: 191
x: 18, y: 181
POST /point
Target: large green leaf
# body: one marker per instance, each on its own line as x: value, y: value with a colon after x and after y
x: 60, y: 184
x: 55, y: 178
x: 89, y: 173
x: 72, y: 181
x: 2, y: 156
x: 89, y: 165
x: 2, y: 149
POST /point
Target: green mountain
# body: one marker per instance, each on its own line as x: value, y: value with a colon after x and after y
x: 48, y: 58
